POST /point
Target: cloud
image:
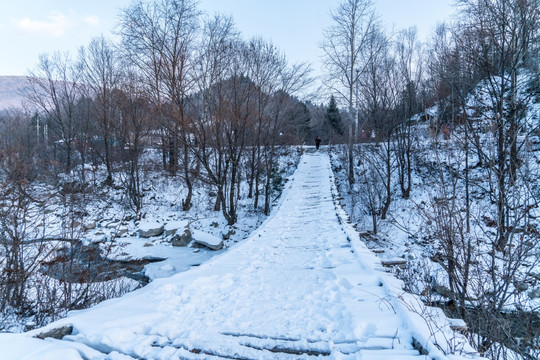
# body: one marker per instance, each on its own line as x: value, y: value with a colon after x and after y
x: 92, y: 20
x: 56, y: 24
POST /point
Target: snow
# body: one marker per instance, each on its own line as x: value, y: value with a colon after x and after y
x: 300, y: 286
x: 148, y: 225
x: 171, y: 226
x: 17, y: 347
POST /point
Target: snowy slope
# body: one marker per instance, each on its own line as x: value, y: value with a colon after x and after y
x: 298, y: 288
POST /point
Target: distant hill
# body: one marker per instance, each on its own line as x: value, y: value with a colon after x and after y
x: 12, y: 91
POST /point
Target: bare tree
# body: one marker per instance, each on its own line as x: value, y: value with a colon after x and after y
x: 380, y: 94
x: 264, y: 63
x: 158, y: 38
x: 218, y: 112
x: 101, y: 77
x: 409, y: 62
x: 344, y: 48
x: 133, y: 122
x: 55, y: 90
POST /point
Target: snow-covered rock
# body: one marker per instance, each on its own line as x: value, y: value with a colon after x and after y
x: 122, y: 230
x: 208, y: 240
x: 90, y: 225
x: 172, y: 226
x: 150, y: 229
x: 56, y: 333
x: 113, y: 225
x: 182, y: 239
x: 99, y: 238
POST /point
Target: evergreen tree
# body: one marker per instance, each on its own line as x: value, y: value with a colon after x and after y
x: 333, y: 116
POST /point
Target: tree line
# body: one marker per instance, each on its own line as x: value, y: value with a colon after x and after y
x: 214, y: 104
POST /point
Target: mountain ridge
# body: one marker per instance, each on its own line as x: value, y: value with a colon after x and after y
x: 12, y: 89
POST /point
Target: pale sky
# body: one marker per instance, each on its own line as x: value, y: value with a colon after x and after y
x: 31, y: 27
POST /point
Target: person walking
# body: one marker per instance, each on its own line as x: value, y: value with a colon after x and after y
x: 318, y: 142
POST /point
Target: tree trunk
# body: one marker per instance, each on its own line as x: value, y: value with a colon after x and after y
x: 388, y: 183
x: 109, y: 179
x: 252, y: 173
x: 186, y: 204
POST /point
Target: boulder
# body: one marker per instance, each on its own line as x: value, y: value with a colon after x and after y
x: 99, y: 238
x: 535, y: 294
x: 182, y: 239
x: 172, y: 226
x: 121, y: 231
x: 113, y: 225
x: 208, y: 240
x: 90, y: 225
x: 57, y: 333
x: 150, y: 229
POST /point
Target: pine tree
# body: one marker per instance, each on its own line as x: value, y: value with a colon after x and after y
x: 333, y: 117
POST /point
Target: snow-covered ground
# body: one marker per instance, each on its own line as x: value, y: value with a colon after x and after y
x: 301, y: 286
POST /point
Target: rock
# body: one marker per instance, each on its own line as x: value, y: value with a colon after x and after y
x: 228, y: 234
x: 121, y: 231
x: 148, y: 244
x: 441, y: 289
x: 208, y: 240
x: 89, y: 225
x: 172, y: 226
x: 458, y: 325
x: 139, y: 277
x: 196, y: 245
x: 99, y: 239
x: 521, y: 286
x: 393, y: 262
x: 535, y: 294
x: 57, y: 333
x: 182, y: 240
x: 153, y: 259
x: 113, y: 225
x: 535, y: 275
x: 150, y: 229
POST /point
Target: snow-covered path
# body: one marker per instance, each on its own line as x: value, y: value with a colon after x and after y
x: 296, y: 289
